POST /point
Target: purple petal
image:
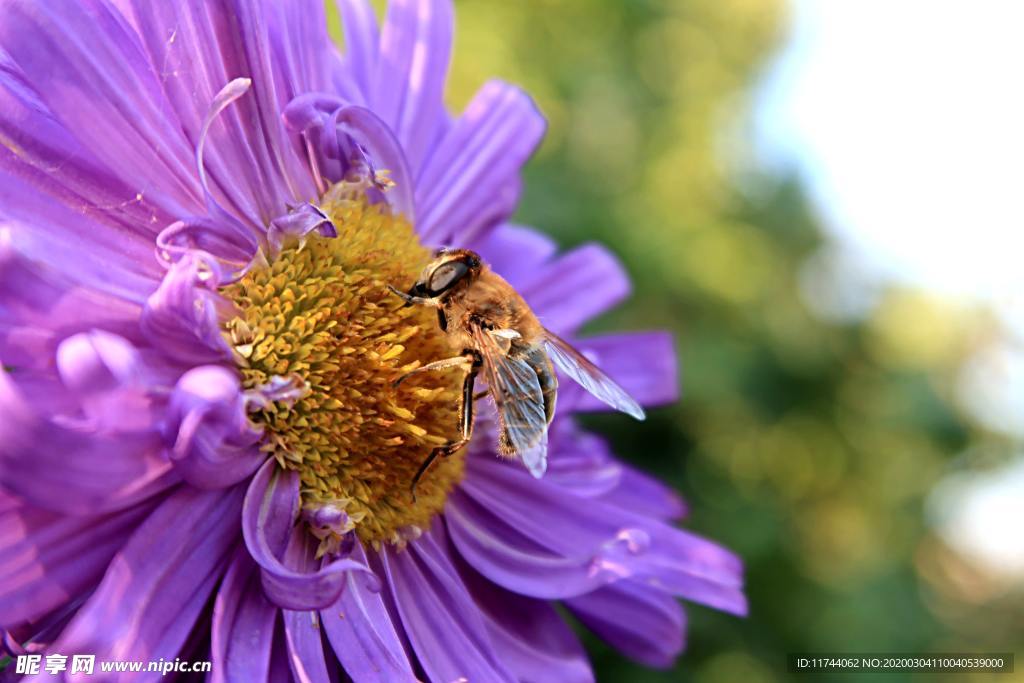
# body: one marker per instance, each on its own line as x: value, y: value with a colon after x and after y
x: 372, y: 135
x: 346, y: 135
x: 440, y: 617
x: 42, y: 305
x: 643, y: 363
x: 364, y: 637
x: 515, y: 252
x: 315, y: 116
x: 582, y: 463
x: 39, y: 307
x: 243, y: 625
x: 89, y: 68
x: 255, y: 167
x: 225, y: 97
x: 302, y: 628
x: 615, y: 541
x: 66, y: 198
x: 305, y: 649
x: 110, y: 384
x: 361, y: 43
x: 511, y: 559
x: 466, y: 184
x: 271, y: 508
x: 159, y: 583
x: 645, y: 495
x: 78, y: 464
x: 183, y: 42
x: 97, y: 361
x: 291, y: 175
x: 280, y: 664
x: 48, y: 559
x: 576, y: 287
x: 299, y: 46
x: 297, y: 224
x: 415, y: 46
x: 642, y: 622
x: 198, y: 48
x: 529, y: 636
x: 182, y: 319
x: 224, y: 241
x: 209, y: 437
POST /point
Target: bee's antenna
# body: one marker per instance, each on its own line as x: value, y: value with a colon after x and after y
x: 408, y: 298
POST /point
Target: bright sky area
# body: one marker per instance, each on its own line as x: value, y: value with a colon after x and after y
x: 906, y: 120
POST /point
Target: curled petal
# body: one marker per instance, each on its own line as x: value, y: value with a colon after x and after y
x: 297, y: 224
x: 353, y: 140
x: 209, y: 437
x: 270, y: 511
x: 223, y: 242
x: 40, y: 305
x: 96, y: 361
x: 328, y: 516
x: 278, y: 389
x: 221, y: 101
x: 181, y: 317
x: 315, y: 116
x: 108, y: 383
x: 58, y: 456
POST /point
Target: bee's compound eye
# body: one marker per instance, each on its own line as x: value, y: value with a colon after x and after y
x: 446, y: 275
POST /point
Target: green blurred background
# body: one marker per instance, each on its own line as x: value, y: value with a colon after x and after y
x: 809, y: 447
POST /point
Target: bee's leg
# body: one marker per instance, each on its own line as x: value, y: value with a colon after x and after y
x: 466, y: 361
x: 411, y: 299
x: 465, y: 420
x: 480, y: 394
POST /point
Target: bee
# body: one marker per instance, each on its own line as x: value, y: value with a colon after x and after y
x: 501, y: 339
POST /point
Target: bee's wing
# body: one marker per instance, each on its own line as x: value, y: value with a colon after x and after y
x: 590, y: 377
x: 517, y: 394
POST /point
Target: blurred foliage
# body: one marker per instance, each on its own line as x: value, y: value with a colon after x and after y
x: 805, y: 445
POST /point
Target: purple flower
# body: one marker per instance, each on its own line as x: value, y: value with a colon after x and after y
x: 201, y: 207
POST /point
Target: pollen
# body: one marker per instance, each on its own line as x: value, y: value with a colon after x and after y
x: 319, y: 313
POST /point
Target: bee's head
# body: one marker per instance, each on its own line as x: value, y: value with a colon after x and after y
x: 449, y: 267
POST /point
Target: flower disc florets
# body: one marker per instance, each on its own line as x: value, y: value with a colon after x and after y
x: 319, y: 312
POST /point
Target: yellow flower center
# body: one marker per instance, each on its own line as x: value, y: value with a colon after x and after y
x: 319, y: 312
